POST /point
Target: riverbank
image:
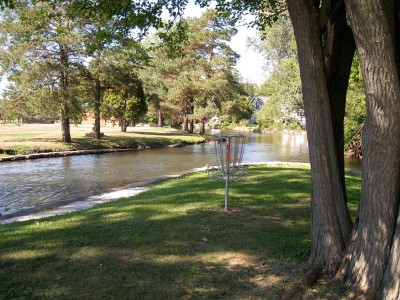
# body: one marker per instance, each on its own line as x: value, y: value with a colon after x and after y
x: 44, y: 140
x: 173, y: 242
x: 257, y: 129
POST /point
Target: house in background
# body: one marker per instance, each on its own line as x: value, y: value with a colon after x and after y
x: 257, y: 102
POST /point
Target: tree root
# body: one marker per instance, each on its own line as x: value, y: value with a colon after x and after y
x: 307, y: 280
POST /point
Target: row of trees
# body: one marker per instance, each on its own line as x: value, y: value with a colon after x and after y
x: 198, y: 80
x: 68, y: 57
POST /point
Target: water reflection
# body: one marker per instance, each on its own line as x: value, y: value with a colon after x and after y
x: 31, y: 183
x: 281, y: 147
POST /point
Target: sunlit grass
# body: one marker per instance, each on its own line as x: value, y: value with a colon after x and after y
x: 28, y: 138
x: 172, y: 242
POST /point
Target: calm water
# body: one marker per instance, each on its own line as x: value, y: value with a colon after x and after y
x: 31, y: 183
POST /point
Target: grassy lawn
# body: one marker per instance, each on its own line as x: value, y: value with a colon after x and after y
x: 35, y: 138
x: 172, y: 242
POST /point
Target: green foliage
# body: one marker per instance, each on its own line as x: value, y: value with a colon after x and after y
x: 198, y: 83
x: 125, y: 99
x: 284, y: 107
x: 266, y: 12
x: 46, y: 47
x: 278, y: 42
x: 41, y: 47
x: 355, y: 104
x: 283, y: 89
x: 6, y: 3
x: 236, y: 110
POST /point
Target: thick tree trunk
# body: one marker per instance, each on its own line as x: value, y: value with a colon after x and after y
x: 159, y: 119
x: 64, y: 83
x: 372, y: 261
x: 202, y: 127
x: 186, y: 124
x: 124, y: 124
x: 338, y: 56
x: 331, y: 225
x: 97, y: 105
x: 191, y: 126
x: 64, y: 120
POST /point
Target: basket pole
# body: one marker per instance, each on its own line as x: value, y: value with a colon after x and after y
x: 227, y: 160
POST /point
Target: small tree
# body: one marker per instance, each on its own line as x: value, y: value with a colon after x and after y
x: 124, y: 98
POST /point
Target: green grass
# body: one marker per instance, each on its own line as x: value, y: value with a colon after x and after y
x: 172, y: 242
x: 28, y: 138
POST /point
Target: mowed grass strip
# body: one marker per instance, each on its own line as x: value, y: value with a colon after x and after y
x: 172, y: 242
x: 30, y: 138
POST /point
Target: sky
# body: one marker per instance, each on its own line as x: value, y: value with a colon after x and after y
x: 250, y: 64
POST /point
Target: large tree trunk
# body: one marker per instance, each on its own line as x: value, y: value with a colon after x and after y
x: 124, y: 124
x: 159, y: 119
x: 191, y: 126
x: 97, y: 105
x: 339, y: 49
x: 202, y: 126
x: 64, y: 83
x: 64, y: 120
x: 371, y: 265
x: 186, y: 123
x: 331, y: 224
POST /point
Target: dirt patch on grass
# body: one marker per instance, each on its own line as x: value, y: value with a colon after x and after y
x: 230, y: 211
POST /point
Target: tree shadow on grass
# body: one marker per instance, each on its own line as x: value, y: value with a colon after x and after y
x: 173, y: 242
x: 162, y: 134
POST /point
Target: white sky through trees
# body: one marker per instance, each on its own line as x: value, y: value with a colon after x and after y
x: 250, y: 64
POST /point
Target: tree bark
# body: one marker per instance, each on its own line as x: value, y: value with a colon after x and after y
x: 339, y: 50
x: 202, y: 126
x: 64, y: 83
x: 331, y: 224
x: 186, y: 124
x: 371, y: 265
x: 64, y: 120
x: 159, y: 119
x: 97, y: 105
x: 191, y: 126
x: 124, y: 124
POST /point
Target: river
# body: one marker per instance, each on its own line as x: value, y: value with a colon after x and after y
x: 34, y: 183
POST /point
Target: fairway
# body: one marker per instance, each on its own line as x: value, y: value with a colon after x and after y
x: 172, y: 242
x: 39, y: 138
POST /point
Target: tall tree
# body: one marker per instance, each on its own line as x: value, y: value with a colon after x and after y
x: 321, y: 69
x: 372, y: 263
x: 42, y: 36
x: 157, y: 75
x: 208, y: 47
x: 124, y: 98
x: 200, y: 79
x: 325, y: 48
x: 283, y: 87
x: 97, y: 31
x: 105, y: 21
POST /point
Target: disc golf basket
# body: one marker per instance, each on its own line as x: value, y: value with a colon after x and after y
x: 228, y: 149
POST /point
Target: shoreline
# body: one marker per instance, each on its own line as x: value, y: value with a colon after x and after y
x: 108, y: 195
x: 86, y: 152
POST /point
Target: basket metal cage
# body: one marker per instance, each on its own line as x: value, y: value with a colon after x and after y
x: 228, y: 150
